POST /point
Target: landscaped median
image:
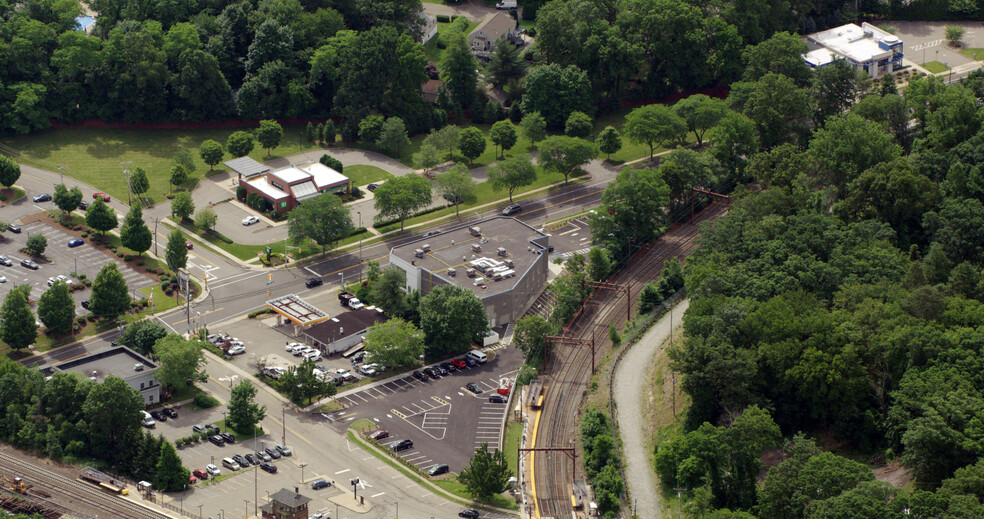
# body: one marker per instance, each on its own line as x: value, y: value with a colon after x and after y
x: 447, y: 488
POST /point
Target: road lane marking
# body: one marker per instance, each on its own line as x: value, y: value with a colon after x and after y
x: 342, y: 471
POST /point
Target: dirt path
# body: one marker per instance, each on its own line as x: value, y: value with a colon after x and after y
x: 629, y: 397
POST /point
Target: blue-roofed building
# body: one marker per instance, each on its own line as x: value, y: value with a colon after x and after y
x: 84, y: 23
x: 866, y: 48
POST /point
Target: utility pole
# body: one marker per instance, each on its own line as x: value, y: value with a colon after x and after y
x: 360, y: 264
x: 283, y: 417
x: 126, y: 173
x: 61, y: 171
x: 679, y: 503
x: 157, y: 220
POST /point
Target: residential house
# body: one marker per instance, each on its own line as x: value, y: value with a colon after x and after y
x: 493, y: 28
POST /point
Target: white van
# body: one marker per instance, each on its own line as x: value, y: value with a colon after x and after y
x: 148, y: 421
x: 230, y: 464
x: 506, y: 4
x: 478, y: 356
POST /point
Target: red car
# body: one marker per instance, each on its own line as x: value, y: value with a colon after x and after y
x: 102, y: 195
x: 200, y: 474
x: 458, y: 363
x: 192, y: 480
x: 379, y: 435
x: 189, y: 244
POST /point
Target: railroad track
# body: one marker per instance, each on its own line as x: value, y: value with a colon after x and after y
x: 566, y: 383
x: 73, y: 494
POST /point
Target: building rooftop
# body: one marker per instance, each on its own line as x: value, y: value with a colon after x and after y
x: 265, y: 188
x: 452, y: 249
x: 296, y: 309
x: 323, y: 175
x: 304, y: 190
x: 119, y: 362
x: 291, y: 499
x: 247, y: 167
x: 860, y: 44
x: 290, y: 174
x: 495, y: 26
x: 346, y: 324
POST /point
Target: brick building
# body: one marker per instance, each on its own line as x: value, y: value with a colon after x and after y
x: 286, y: 505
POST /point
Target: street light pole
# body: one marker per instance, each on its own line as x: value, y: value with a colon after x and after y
x: 360, y: 245
x: 283, y: 416
x: 126, y: 173
x: 246, y: 508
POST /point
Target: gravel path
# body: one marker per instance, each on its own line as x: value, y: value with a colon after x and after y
x: 629, y: 389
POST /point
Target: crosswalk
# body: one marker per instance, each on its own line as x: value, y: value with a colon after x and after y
x: 566, y: 255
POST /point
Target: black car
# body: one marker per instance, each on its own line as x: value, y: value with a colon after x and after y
x: 419, y: 376
x: 212, y: 427
x: 401, y: 445
x: 473, y: 388
x: 441, y: 371
x: 13, y: 228
x: 263, y: 456
x: 512, y: 209
x: 228, y: 437
x: 431, y: 233
x: 252, y: 459
x: 85, y: 304
x: 470, y: 513
x: 169, y: 412
x: 319, y: 484
x: 452, y: 199
x: 471, y: 362
x: 216, y: 439
x: 240, y: 460
x: 29, y: 264
x: 437, y: 470
x: 43, y: 197
x: 372, y: 187
x: 83, y: 205
x: 269, y: 467
x: 313, y: 282
x: 430, y: 372
x: 5, y: 261
x: 274, y: 453
x: 159, y: 416
x: 497, y: 399
x: 447, y: 366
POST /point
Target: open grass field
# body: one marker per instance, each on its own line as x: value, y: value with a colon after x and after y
x: 93, y: 155
x: 362, y: 174
x: 935, y: 67
x: 975, y: 53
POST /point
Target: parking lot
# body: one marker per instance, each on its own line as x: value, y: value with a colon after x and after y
x: 84, y: 259
x: 445, y: 421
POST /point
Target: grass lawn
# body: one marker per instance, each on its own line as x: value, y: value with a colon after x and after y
x: 11, y: 194
x: 430, y: 49
x: 630, y: 150
x: 935, y: 67
x: 162, y: 302
x: 514, y: 434
x: 452, y: 485
x: 257, y: 431
x: 975, y: 54
x: 93, y: 155
x: 248, y: 252
x: 362, y: 174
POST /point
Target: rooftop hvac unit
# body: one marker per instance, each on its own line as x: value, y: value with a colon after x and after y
x: 138, y: 367
x: 475, y: 231
x: 476, y: 247
x: 501, y: 251
x: 419, y: 253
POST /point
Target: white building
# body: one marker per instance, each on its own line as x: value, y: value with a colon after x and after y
x: 429, y: 27
x: 866, y: 48
x: 135, y: 369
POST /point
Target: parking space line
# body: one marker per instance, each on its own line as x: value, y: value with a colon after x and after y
x: 342, y: 471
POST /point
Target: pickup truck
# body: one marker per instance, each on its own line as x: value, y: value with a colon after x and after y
x: 348, y: 299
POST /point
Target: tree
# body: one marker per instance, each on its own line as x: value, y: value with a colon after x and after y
x: 953, y: 34
x: 780, y: 54
x: 529, y: 336
x: 17, y: 327
x: 599, y: 264
x: 394, y: 343
x: 244, y: 412
x: 370, y: 128
x: 110, y: 295
x: 847, y: 146
x: 67, y: 200
x: 112, y: 412
x: 402, y: 196
x: 272, y: 42
x: 444, y: 139
x: 138, y: 182
x: 776, y: 105
x: 427, y: 157
x: 783, y: 166
x: 36, y: 243
x: 100, y: 216
x: 205, y: 219
x: 634, y: 210
x: 836, y: 87
x: 387, y: 292
x: 182, y: 361
x: 211, y: 153
x: 471, y: 142
x: 176, y: 254
x: 565, y: 155
x: 9, y: 171
x: 505, y: 65
x: 486, y: 474
x: 579, y: 124
x: 654, y: 125
x: 140, y: 336
x: 172, y: 476
x: 555, y: 92
x: 184, y: 159
x: 301, y: 385
x: 701, y: 113
x: 239, y: 143
x: 512, y: 173
x: 182, y: 205
x: 179, y: 175
x: 735, y: 139
x: 503, y: 135
x: 457, y: 186
x: 323, y: 219
x: 328, y: 133
x: 134, y: 234
x: 534, y: 127
x: 451, y: 318
x: 609, y: 141
x: 269, y: 134
x: 459, y: 70
x: 393, y: 136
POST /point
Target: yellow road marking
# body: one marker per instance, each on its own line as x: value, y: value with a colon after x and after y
x: 397, y: 413
x: 441, y: 400
x: 536, y: 504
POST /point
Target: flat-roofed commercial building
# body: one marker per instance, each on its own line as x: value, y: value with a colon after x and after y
x: 285, y: 188
x: 866, y: 48
x: 501, y: 260
x: 135, y: 369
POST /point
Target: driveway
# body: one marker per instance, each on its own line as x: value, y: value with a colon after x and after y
x: 474, y: 10
x: 925, y: 41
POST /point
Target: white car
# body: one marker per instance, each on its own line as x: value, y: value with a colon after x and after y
x: 355, y: 304
x: 237, y: 350
x: 342, y: 372
x: 298, y: 350
x: 313, y: 356
x: 250, y: 220
x: 55, y: 279
x: 236, y: 342
x: 3, y: 279
x: 367, y: 370
x: 212, y: 469
x: 290, y: 347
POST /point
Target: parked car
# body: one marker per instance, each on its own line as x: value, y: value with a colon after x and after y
x: 313, y: 282
x: 29, y: 264
x: 5, y: 261
x: 83, y: 205
x: 264, y: 456
x: 441, y: 371
x: 497, y: 399
x: 419, y: 376
x: 428, y: 234
x: 200, y: 474
x: 433, y: 374
x: 269, y: 467
x: 197, y: 427
x: 237, y: 350
x: 217, y: 440
x: 285, y: 450
x: 3, y: 279
x: 169, y: 412
x: 381, y: 434
x: 240, y: 460
x: 469, y: 513
x: 43, y: 197
x: 299, y: 350
x: 85, y: 304
x: 319, y: 484
x: 471, y: 362
x: 372, y: 187
x: 458, y: 363
x: 212, y: 469
x: 228, y: 437
x: 447, y: 366
x: 252, y: 458
x: 159, y: 416
x: 212, y: 427
x: 13, y: 228
x: 471, y: 386
x: 291, y: 345
x: 401, y: 445
x: 313, y: 356
x: 192, y: 480
x: 437, y: 470
x: 250, y: 220
x: 230, y: 464
x: 75, y: 242
x: 512, y: 209
x: 102, y: 195
x: 367, y: 370
x: 274, y: 453
x: 189, y: 245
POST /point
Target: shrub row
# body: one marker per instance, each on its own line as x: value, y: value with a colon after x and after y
x: 384, y: 223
